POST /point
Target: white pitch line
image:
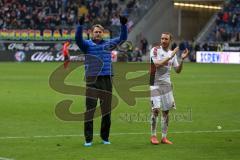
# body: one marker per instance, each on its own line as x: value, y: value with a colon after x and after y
x: 119, y: 134
x: 2, y: 158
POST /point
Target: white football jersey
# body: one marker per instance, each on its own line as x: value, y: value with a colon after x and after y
x: 162, y: 73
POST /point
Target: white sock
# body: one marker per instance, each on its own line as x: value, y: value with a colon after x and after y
x: 164, y: 125
x: 154, y: 120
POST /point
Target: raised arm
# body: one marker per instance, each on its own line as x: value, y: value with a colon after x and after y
x: 124, y: 32
x: 82, y: 44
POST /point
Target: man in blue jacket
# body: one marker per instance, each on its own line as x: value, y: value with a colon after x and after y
x: 98, y: 73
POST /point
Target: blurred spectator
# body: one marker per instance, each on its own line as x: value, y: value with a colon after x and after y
x: 115, y: 20
x: 197, y: 47
x: 82, y: 10
x: 137, y: 54
x: 205, y: 47
x: 144, y: 45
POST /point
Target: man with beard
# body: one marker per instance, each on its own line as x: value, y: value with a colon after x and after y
x: 162, y: 59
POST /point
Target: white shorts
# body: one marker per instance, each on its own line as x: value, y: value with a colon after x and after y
x: 162, y: 97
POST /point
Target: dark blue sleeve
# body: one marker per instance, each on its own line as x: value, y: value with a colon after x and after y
x: 82, y: 44
x: 123, y: 36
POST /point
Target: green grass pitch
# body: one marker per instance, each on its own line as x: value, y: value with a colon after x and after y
x: 207, y: 96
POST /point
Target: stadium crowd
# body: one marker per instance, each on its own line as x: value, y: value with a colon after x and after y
x: 228, y: 22
x: 59, y: 14
x: 34, y: 14
x: 64, y: 14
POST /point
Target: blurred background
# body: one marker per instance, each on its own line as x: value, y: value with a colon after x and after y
x: 32, y: 30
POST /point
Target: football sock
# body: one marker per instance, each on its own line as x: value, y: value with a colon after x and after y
x: 154, y: 120
x: 164, y: 125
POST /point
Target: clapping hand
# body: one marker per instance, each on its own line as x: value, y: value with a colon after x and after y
x: 174, y: 52
x: 185, y: 54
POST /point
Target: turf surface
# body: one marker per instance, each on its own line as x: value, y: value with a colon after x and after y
x: 206, y: 95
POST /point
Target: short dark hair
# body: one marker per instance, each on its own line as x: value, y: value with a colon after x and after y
x: 98, y: 26
x: 168, y: 33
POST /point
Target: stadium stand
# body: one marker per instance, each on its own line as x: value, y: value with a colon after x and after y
x: 227, y: 26
x: 56, y: 14
x: 64, y: 14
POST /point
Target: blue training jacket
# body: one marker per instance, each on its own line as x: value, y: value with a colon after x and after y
x: 98, y: 60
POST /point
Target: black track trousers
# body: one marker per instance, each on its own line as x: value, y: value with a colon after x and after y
x: 99, y: 87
